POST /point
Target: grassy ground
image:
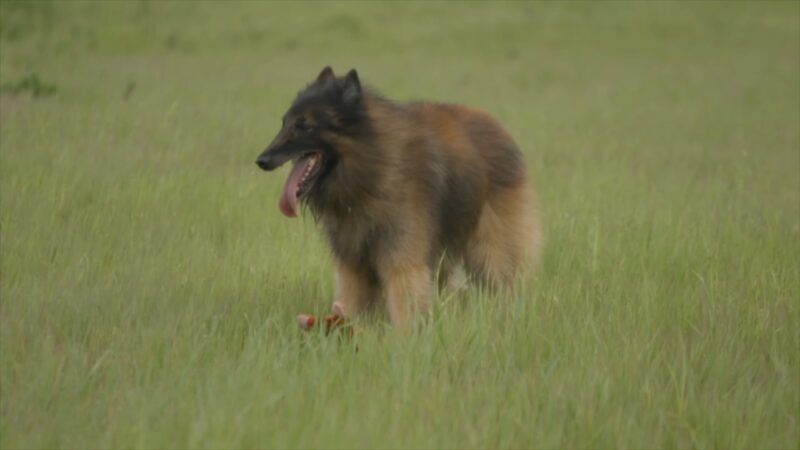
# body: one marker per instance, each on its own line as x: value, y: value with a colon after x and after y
x: 149, y: 284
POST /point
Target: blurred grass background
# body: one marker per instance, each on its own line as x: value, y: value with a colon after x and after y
x: 148, y: 283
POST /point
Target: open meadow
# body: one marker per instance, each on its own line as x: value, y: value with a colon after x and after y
x: 149, y: 284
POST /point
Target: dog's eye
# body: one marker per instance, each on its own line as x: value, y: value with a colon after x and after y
x: 301, y: 125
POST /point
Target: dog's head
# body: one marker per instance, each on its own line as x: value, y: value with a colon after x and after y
x: 326, y: 113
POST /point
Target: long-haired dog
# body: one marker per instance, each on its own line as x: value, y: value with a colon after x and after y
x: 403, y: 190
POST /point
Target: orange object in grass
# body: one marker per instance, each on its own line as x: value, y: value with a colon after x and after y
x: 331, y: 322
x: 306, y: 321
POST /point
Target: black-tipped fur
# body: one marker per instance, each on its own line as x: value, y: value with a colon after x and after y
x: 406, y: 186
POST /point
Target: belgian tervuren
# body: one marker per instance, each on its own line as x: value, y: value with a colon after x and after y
x: 404, y: 190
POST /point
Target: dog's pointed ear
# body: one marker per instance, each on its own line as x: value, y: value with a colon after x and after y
x: 352, y: 88
x: 326, y: 74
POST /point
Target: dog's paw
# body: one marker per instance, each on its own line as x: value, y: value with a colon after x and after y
x: 338, y: 309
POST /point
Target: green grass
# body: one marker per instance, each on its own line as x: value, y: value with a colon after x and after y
x: 149, y: 284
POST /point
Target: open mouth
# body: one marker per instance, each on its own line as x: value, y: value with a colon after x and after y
x: 304, y: 172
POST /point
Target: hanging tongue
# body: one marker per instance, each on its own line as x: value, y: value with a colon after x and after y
x: 288, y: 201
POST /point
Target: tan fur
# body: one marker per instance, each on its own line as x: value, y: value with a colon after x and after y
x: 355, y: 292
x: 506, y: 235
x: 411, y: 189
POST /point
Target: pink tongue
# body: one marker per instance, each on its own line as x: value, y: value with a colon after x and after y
x: 288, y: 201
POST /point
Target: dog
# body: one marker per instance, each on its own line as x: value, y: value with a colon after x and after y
x: 404, y: 192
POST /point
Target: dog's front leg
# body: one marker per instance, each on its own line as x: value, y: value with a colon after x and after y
x: 408, y: 291
x: 355, y: 291
x: 405, y: 273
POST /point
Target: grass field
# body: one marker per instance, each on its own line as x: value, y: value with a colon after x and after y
x: 149, y: 284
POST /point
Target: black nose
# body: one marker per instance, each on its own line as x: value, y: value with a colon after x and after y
x: 265, y: 163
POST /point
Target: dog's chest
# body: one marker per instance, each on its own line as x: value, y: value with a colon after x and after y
x: 353, y: 239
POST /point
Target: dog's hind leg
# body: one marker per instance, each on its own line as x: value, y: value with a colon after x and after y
x: 451, y: 274
x: 506, y: 237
